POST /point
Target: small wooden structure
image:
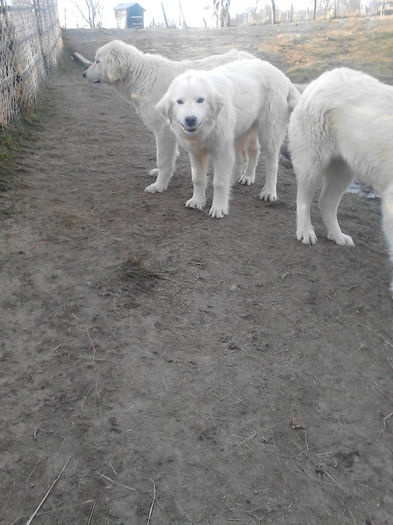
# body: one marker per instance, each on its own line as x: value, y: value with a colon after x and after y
x: 129, y: 16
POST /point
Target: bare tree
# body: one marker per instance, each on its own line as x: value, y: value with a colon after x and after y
x: 90, y: 11
x: 315, y: 10
x: 273, y: 11
x: 182, y: 20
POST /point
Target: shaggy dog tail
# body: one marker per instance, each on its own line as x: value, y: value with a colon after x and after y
x: 293, y: 97
x: 81, y: 59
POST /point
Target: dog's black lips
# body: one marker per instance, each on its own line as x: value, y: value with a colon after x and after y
x: 96, y: 81
x: 189, y: 130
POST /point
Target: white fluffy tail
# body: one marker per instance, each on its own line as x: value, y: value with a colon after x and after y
x: 81, y: 59
x: 293, y: 97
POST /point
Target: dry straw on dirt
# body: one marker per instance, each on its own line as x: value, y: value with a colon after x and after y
x: 30, y: 44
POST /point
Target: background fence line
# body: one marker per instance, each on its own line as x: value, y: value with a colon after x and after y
x: 30, y: 45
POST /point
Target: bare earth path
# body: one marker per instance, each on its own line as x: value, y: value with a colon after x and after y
x: 166, y: 352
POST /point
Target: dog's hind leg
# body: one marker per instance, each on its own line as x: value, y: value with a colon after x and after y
x: 387, y: 222
x: 270, y: 157
x: 337, y: 178
x: 271, y: 139
x: 199, y: 164
x: 167, y: 152
x: 251, y: 153
x: 308, y: 170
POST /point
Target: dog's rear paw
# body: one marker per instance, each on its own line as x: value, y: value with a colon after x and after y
x: 306, y: 237
x: 341, y: 239
x: 155, y: 188
x: 268, y: 195
x: 154, y: 172
x: 194, y: 203
x: 247, y: 181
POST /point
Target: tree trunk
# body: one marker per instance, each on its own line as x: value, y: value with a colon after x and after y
x: 273, y: 11
x: 163, y: 12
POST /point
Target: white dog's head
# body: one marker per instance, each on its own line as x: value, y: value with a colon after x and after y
x: 112, y: 63
x: 191, y: 104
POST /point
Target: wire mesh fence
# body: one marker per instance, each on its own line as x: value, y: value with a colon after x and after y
x: 30, y: 44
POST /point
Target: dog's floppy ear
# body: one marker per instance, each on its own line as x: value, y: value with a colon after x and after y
x: 165, y: 105
x: 216, y: 103
x: 118, y: 61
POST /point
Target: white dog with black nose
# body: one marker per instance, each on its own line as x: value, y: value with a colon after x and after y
x: 214, y: 113
x: 342, y: 127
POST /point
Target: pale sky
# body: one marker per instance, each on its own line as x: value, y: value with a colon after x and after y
x: 193, y: 10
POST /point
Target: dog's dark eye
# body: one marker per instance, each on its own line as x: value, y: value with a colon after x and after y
x: 97, y: 61
x: 180, y: 101
x: 200, y: 100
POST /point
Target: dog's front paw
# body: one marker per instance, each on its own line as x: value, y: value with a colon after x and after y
x: 154, y: 172
x: 341, y: 239
x: 306, y: 237
x: 218, y: 212
x: 268, y: 195
x: 155, y: 188
x: 195, y: 203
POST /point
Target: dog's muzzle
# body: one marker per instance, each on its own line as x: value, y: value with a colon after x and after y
x: 85, y: 76
x: 190, y: 124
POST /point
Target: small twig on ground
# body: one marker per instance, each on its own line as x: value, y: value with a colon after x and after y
x: 116, y: 482
x: 268, y: 511
x: 325, y: 509
x: 91, y: 513
x: 94, y: 359
x: 222, y: 399
x: 152, y: 503
x: 320, y: 467
x: 385, y: 418
x: 187, y: 516
x: 113, y: 468
x: 48, y: 492
x: 352, y: 516
x: 114, y: 306
x: 250, y: 437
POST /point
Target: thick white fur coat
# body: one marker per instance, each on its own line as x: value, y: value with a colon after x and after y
x: 214, y: 112
x: 342, y: 127
x: 142, y: 79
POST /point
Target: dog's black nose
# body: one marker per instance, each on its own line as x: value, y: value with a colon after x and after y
x: 190, y: 121
x: 84, y: 74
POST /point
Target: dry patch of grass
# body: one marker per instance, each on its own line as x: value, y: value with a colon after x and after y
x: 360, y: 43
x: 136, y: 271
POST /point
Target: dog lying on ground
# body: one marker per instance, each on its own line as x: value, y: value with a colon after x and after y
x: 142, y: 79
x: 342, y: 127
x: 214, y: 113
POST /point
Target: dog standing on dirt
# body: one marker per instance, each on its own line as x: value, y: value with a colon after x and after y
x: 342, y: 127
x: 142, y: 79
x: 214, y: 113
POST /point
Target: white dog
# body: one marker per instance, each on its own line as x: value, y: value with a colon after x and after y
x: 342, y: 127
x: 142, y: 79
x: 214, y: 113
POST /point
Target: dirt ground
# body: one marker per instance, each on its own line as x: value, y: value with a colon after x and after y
x: 164, y: 353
